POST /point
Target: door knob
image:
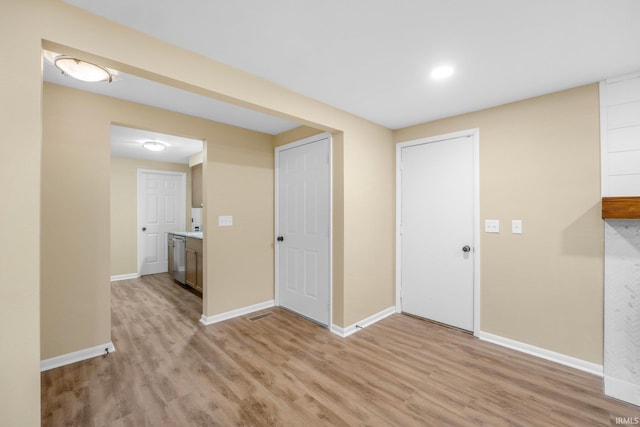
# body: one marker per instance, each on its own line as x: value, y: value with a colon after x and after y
x: 280, y: 239
x: 466, y: 248
x: 144, y: 228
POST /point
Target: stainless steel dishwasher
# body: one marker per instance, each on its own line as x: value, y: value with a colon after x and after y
x: 179, y: 258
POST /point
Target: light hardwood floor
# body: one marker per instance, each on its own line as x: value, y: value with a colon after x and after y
x: 282, y: 370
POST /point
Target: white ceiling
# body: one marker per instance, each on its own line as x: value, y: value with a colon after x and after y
x: 372, y: 58
x: 127, y: 142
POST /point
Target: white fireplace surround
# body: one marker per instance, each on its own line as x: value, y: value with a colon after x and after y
x: 622, y: 310
x: 620, y: 155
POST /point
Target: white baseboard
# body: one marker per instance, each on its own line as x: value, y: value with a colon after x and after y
x: 622, y: 390
x: 563, y: 359
x: 119, y: 277
x: 210, y: 320
x: 76, y: 356
x: 345, y: 332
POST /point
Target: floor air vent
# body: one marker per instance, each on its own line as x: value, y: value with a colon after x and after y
x: 260, y: 317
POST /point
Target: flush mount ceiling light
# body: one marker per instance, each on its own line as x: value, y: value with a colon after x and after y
x: 154, y: 145
x: 442, y: 72
x: 83, y: 70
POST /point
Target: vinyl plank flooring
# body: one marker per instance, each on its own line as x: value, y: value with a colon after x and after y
x: 281, y: 370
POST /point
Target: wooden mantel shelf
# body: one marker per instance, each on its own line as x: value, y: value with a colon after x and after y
x: 621, y: 208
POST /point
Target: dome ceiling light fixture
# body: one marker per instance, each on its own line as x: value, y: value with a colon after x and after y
x: 83, y: 70
x: 154, y: 145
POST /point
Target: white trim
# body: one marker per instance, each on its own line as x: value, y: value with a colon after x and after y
x: 277, y: 150
x: 210, y: 320
x: 162, y: 172
x: 398, y: 228
x: 76, y: 356
x: 330, y: 230
x: 119, y: 277
x: 351, y: 329
x: 475, y: 135
x: 182, y: 211
x: 563, y: 359
x: 622, y: 390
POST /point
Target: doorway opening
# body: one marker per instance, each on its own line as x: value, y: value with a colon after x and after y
x: 151, y: 194
x: 437, y: 229
x: 303, y: 228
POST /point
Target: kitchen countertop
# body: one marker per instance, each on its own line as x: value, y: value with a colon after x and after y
x: 192, y: 234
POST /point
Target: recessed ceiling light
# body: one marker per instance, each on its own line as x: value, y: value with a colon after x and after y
x: 82, y: 70
x: 154, y: 145
x: 442, y: 72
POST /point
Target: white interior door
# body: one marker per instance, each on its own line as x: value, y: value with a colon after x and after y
x: 161, y: 210
x: 303, y: 228
x: 437, y: 231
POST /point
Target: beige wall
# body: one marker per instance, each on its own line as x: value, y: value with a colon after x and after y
x: 369, y: 224
x: 20, y: 107
x: 539, y: 162
x: 75, y: 312
x: 338, y: 307
x: 124, y: 209
x: 294, y: 135
x: 239, y: 259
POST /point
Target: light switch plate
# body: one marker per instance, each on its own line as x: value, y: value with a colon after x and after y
x: 225, y: 221
x: 491, y: 225
x: 516, y: 226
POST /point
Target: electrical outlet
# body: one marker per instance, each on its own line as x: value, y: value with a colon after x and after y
x: 492, y: 226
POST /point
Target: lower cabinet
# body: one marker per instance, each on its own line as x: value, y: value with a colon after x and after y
x: 193, y: 263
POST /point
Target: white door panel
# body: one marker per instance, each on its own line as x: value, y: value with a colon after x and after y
x: 303, y: 223
x: 161, y: 210
x: 437, y: 205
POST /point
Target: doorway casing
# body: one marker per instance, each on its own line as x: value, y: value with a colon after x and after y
x: 475, y: 135
x: 277, y: 212
x: 140, y: 223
